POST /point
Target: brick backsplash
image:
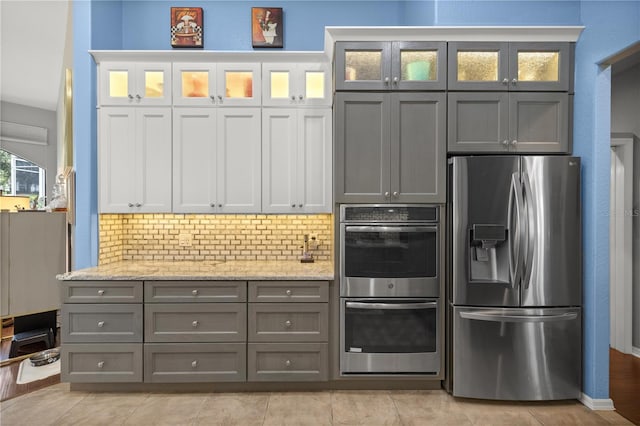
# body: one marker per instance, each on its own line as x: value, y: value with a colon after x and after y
x: 214, y: 237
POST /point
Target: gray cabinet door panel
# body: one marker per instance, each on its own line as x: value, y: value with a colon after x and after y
x: 195, y: 362
x: 417, y: 51
x: 195, y: 291
x: 418, y: 152
x: 288, y: 322
x: 98, y: 363
x: 557, y: 81
x: 369, y: 66
x: 281, y: 362
x: 539, y: 122
x: 288, y: 291
x: 457, y: 80
x: 478, y: 122
x: 195, y: 322
x: 362, y: 142
x: 101, y: 291
x: 101, y: 323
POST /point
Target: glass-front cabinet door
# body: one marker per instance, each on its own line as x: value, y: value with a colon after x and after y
x: 221, y: 84
x: 539, y: 66
x: 478, y: 66
x: 125, y: 83
x: 390, y: 65
x: 536, y: 66
x: 287, y: 84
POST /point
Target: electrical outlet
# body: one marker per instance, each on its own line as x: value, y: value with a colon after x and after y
x: 185, y: 240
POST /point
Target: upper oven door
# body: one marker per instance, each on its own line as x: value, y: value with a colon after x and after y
x: 389, y: 260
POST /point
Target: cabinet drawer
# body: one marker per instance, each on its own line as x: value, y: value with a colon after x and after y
x: 101, y: 291
x: 197, y: 322
x: 195, y: 291
x: 101, y: 323
x: 288, y: 322
x: 96, y: 363
x: 288, y: 291
x: 279, y: 362
x: 195, y: 362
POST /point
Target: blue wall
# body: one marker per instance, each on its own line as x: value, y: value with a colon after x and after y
x: 610, y: 26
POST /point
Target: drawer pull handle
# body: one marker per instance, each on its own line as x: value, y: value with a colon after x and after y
x: 195, y: 323
x: 194, y: 364
x: 100, y: 324
x: 194, y: 292
x: 287, y: 323
x: 287, y: 363
x: 100, y: 292
x: 100, y: 364
x: 288, y: 292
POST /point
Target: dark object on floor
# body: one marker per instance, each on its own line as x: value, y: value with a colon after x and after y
x: 34, y: 328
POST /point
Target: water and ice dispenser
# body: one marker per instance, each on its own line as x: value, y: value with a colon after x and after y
x: 488, y: 253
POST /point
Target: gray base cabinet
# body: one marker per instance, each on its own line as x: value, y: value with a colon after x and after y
x: 195, y: 362
x: 282, y: 362
x: 97, y: 363
x: 390, y: 147
x: 96, y: 323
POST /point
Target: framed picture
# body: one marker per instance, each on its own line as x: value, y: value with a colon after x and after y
x: 266, y: 27
x: 186, y: 27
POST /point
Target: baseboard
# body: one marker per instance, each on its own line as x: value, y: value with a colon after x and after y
x: 635, y: 351
x: 597, y: 404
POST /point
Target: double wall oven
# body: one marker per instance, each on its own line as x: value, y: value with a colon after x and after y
x: 390, y: 289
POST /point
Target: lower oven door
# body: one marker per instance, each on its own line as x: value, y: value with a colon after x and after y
x: 382, y: 336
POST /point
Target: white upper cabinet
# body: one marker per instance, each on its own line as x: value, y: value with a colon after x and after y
x: 301, y: 84
x: 216, y: 84
x: 135, y: 83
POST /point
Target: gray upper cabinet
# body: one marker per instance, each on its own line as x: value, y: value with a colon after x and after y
x: 390, y: 147
x: 386, y: 65
x: 488, y: 66
x: 523, y: 122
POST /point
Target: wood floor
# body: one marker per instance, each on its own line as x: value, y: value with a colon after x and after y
x: 624, y: 384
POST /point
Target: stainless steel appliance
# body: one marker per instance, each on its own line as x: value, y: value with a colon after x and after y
x: 516, y: 280
x: 390, y: 287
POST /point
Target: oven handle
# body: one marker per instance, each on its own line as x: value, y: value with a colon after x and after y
x: 391, y: 228
x: 378, y: 305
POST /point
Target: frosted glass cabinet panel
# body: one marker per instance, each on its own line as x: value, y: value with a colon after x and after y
x: 210, y: 84
x: 125, y: 83
x: 301, y: 84
x: 401, y: 65
x: 510, y: 66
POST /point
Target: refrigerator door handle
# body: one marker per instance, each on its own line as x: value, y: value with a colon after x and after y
x: 500, y: 317
x: 515, y: 232
x: 531, y: 230
x: 379, y: 305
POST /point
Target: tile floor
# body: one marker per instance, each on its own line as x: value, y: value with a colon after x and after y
x: 56, y: 405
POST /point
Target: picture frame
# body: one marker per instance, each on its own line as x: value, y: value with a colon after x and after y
x: 267, y: 29
x: 187, y: 27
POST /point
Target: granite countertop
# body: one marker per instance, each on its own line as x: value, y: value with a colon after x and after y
x: 205, y: 270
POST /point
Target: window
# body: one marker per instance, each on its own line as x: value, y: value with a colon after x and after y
x: 21, y: 177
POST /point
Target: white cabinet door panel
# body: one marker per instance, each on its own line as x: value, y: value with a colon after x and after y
x: 314, y: 175
x: 153, y: 149
x: 279, y: 148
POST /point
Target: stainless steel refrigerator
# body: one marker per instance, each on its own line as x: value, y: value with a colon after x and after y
x: 515, y: 289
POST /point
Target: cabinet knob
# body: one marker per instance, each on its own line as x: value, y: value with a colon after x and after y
x: 395, y: 80
x: 138, y: 97
x: 288, y: 292
x: 300, y: 205
x: 293, y: 205
x: 386, y: 80
x: 287, y: 323
x: 100, y: 364
x: 514, y: 142
x: 213, y: 98
x: 194, y: 292
x: 293, y: 97
x: 138, y: 205
x: 194, y: 364
x: 130, y: 96
x: 386, y: 194
x: 220, y: 98
x: 395, y: 194
x: 100, y: 324
x: 219, y: 205
x: 505, y: 142
x: 514, y: 81
x: 287, y: 363
x: 100, y: 292
x: 300, y: 97
x: 130, y: 204
x: 195, y: 323
x: 505, y: 81
x: 212, y: 204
